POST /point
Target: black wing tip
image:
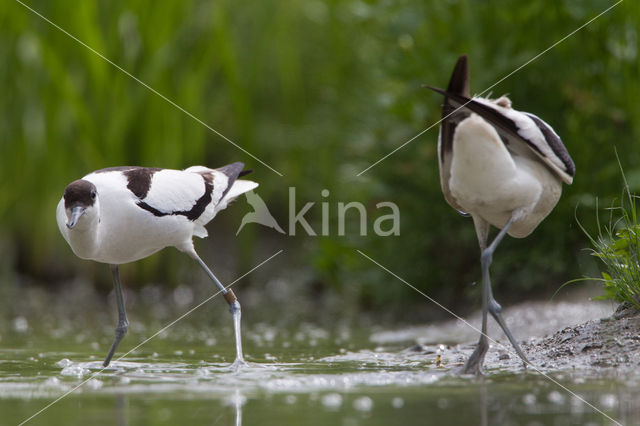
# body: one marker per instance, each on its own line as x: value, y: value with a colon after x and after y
x: 459, y: 81
x: 232, y: 170
x: 435, y: 89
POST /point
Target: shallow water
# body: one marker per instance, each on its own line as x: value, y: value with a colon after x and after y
x: 372, y: 386
x: 303, y: 375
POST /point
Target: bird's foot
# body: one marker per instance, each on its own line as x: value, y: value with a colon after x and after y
x: 475, y: 361
x: 238, y: 365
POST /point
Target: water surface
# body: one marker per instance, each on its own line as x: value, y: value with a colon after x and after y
x: 296, y: 375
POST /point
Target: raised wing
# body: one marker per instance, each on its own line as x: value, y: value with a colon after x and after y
x: 519, y: 128
x: 459, y: 84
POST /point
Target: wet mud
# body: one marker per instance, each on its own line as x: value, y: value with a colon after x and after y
x: 590, y: 337
x: 610, y: 342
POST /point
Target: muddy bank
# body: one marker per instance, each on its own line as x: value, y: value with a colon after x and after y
x: 613, y: 341
x: 585, y: 335
x: 609, y: 343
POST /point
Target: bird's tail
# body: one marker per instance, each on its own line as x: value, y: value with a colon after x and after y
x: 239, y: 187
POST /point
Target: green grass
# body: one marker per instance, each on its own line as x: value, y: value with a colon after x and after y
x: 617, y: 245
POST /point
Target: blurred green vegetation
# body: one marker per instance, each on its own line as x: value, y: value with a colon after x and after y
x: 319, y: 90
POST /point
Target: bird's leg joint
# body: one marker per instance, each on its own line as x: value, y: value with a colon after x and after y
x: 122, y: 328
x: 232, y: 300
x: 230, y: 297
x: 486, y: 257
x: 234, y: 307
x: 494, y: 307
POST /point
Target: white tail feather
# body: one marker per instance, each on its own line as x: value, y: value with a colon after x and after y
x: 240, y: 187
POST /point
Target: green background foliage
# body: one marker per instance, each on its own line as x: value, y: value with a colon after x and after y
x: 319, y: 91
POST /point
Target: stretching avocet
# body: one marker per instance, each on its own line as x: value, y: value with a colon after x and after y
x: 502, y: 167
x: 123, y: 214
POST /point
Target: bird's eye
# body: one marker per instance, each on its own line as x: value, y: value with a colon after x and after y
x: 93, y: 195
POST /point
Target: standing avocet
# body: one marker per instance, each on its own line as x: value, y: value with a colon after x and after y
x: 502, y: 167
x: 123, y: 214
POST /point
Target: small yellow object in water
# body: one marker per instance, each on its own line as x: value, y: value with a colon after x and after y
x: 439, y: 355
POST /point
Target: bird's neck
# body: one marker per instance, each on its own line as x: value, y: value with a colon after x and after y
x: 85, y: 240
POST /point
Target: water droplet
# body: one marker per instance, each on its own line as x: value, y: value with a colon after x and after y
x: 74, y: 370
x: 94, y: 384
x: 608, y: 401
x: 52, y: 381
x: 290, y: 399
x: 64, y: 362
x: 556, y: 397
x: 20, y: 324
x: 183, y: 295
x: 443, y: 403
x: 364, y: 403
x: 397, y: 402
x: 332, y: 400
x: 202, y: 372
x: 529, y: 399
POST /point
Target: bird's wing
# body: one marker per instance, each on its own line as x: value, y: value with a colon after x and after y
x: 225, y: 181
x: 196, y: 193
x: 459, y: 84
x: 235, y: 187
x: 176, y: 192
x: 225, y: 186
x: 520, y: 128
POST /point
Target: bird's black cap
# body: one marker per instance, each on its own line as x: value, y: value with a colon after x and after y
x: 79, y: 193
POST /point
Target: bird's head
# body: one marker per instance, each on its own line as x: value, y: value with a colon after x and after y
x: 503, y: 101
x: 81, y: 204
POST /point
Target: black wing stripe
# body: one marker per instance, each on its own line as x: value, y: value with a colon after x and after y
x: 193, y: 214
x: 492, y: 115
x: 139, y: 180
x: 555, y: 144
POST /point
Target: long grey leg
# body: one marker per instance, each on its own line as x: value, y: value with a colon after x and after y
x: 496, y: 312
x: 123, y: 323
x: 475, y: 361
x: 234, y: 308
x: 489, y: 304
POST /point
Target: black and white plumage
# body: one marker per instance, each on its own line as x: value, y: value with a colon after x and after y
x: 122, y: 214
x: 504, y: 168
